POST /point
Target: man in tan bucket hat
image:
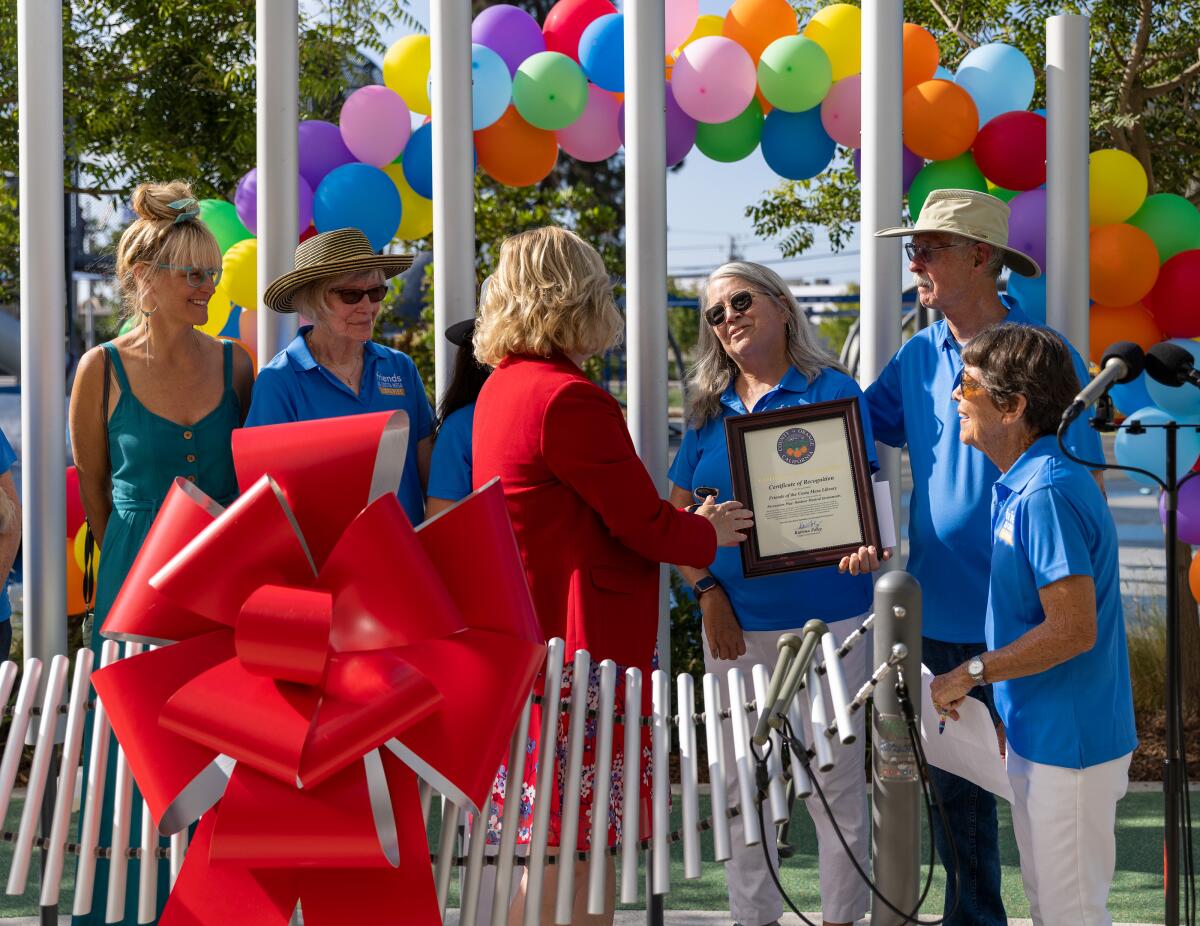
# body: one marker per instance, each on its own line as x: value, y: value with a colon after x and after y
x: 958, y: 250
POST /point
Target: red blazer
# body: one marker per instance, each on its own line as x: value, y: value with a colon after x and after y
x: 589, y: 521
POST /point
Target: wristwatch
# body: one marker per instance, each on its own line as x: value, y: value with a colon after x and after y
x: 706, y: 584
x: 975, y: 670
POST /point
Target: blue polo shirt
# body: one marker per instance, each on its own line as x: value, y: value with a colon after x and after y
x: 948, y: 514
x: 294, y: 387
x: 450, y: 471
x: 7, y: 458
x: 1050, y: 521
x: 786, y: 600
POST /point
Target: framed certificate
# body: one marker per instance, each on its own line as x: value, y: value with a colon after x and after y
x: 804, y: 473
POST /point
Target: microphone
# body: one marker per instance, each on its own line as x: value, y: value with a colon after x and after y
x: 1171, y: 365
x: 1122, y: 363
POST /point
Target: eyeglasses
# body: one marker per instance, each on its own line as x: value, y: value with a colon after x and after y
x: 740, y: 302
x: 970, y: 387
x: 924, y: 252
x: 354, y: 296
x: 196, y: 276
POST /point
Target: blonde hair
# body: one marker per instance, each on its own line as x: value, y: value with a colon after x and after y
x: 155, y: 237
x: 550, y: 292
x: 709, y: 376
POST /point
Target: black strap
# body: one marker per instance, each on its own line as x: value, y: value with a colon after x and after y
x: 89, y: 541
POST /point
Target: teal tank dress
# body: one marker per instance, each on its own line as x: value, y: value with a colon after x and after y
x: 146, y: 454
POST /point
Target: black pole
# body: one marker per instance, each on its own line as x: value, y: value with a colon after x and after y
x: 48, y: 915
x: 1171, y: 762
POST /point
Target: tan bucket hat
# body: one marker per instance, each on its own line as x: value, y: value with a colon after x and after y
x: 331, y: 253
x: 974, y: 215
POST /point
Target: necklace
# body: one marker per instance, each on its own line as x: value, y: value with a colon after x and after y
x: 337, y: 369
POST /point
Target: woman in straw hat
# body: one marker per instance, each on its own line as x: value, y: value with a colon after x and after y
x: 332, y: 367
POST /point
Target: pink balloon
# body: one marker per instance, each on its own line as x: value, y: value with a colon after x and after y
x: 248, y: 330
x: 841, y: 111
x: 594, y: 136
x: 714, y: 79
x: 681, y: 19
x: 375, y: 124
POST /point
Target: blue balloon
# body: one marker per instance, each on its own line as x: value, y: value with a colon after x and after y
x: 998, y: 77
x: 418, y: 161
x: 1148, y: 450
x: 943, y: 73
x: 796, y: 145
x: 491, y: 88
x: 1129, y: 397
x: 602, y: 52
x: 358, y: 196
x: 1029, y: 293
x: 1183, y: 402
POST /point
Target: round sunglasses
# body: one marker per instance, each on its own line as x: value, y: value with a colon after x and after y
x: 741, y: 301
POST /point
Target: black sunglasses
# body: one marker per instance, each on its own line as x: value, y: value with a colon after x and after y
x: 924, y: 252
x: 354, y: 296
x: 740, y: 302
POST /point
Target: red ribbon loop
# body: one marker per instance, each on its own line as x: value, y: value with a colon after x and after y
x: 283, y: 633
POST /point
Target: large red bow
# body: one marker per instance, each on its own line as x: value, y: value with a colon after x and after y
x: 323, y: 654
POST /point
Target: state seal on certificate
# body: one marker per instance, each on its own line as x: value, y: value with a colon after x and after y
x: 804, y: 473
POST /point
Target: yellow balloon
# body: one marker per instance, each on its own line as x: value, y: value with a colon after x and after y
x: 77, y: 550
x: 219, y: 307
x: 1116, y: 186
x: 708, y: 24
x: 416, y: 212
x: 838, y: 30
x: 406, y: 70
x: 240, y: 278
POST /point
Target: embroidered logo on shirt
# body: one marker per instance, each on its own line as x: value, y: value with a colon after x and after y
x: 795, y: 446
x: 1007, y: 526
x: 390, y: 385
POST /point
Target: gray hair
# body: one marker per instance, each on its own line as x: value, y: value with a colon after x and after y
x: 709, y: 376
x: 995, y: 262
x: 309, y: 299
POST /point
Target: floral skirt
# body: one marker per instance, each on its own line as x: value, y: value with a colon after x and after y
x: 616, y: 791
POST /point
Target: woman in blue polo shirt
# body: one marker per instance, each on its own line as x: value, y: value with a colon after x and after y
x: 450, y: 471
x: 332, y: 367
x: 758, y: 352
x: 10, y: 539
x: 1056, y: 657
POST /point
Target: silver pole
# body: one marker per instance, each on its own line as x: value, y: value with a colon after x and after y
x: 895, y: 785
x: 453, y: 177
x: 882, y: 187
x: 1067, y: 105
x: 43, y: 325
x: 278, y: 75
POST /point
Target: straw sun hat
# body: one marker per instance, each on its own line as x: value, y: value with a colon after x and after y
x: 331, y: 253
x: 971, y: 214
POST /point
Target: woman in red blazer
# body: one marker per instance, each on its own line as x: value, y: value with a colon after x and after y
x: 590, y: 523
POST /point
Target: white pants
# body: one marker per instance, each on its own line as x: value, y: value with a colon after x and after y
x: 753, y: 899
x: 1065, y: 822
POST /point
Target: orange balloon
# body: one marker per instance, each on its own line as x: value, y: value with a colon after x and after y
x: 515, y: 153
x: 921, y: 55
x: 755, y: 24
x: 1110, y: 324
x: 75, y: 602
x: 1124, y: 264
x: 253, y: 356
x: 940, y: 120
x: 1194, y: 576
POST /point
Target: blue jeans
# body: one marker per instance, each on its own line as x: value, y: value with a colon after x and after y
x: 970, y: 816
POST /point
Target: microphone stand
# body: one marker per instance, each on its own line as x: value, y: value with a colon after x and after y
x: 1175, y: 798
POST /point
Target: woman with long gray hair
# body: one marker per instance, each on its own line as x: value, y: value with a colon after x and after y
x: 757, y: 352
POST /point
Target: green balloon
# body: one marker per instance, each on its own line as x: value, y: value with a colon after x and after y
x: 549, y: 90
x: 960, y: 173
x: 222, y: 220
x: 1000, y: 193
x: 1172, y: 223
x: 732, y: 140
x: 794, y: 73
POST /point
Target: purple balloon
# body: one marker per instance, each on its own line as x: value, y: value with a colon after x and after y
x: 909, y: 169
x: 1189, y: 511
x: 510, y: 32
x: 681, y: 129
x: 321, y: 150
x: 246, y: 202
x: 1027, y: 224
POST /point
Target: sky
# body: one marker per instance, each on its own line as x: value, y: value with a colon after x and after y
x: 706, y: 204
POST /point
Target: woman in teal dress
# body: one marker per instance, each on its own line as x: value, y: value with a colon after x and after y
x: 174, y: 397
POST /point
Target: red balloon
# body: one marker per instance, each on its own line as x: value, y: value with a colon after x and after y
x: 1011, y: 150
x: 1175, y: 299
x: 566, y: 21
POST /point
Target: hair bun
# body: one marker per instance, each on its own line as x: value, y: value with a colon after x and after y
x: 152, y: 200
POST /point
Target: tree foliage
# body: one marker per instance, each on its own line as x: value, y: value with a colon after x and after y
x: 1145, y: 90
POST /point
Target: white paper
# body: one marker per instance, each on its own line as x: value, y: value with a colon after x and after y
x: 968, y: 746
x: 883, y: 513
